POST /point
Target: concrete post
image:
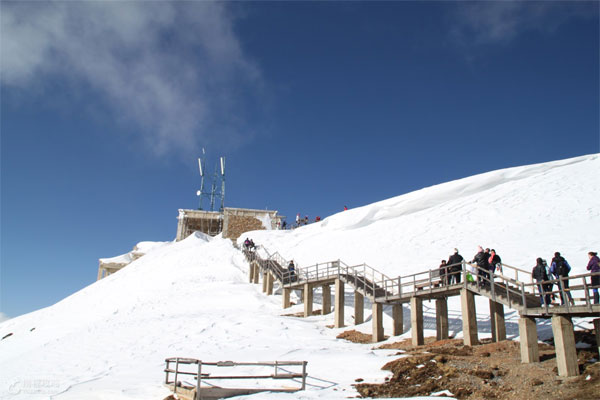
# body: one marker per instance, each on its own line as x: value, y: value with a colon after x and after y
x: 264, y: 281
x: 564, y: 344
x: 529, y: 345
x: 256, y: 273
x: 597, y: 331
x: 469, y: 317
x: 339, y: 304
x: 326, y: 309
x: 377, y: 320
x: 308, y: 300
x: 359, y: 308
x: 286, y: 298
x: 398, y: 317
x: 251, y: 272
x: 416, y: 321
x: 497, y: 321
x: 270, y: 279
x: 441, y: 318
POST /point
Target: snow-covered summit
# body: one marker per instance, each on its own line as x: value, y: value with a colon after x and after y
x: 192, y: 298
x: 522, y: 212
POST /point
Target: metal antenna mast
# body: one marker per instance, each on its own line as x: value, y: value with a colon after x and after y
x: 213, y: 189
x: 201, y: 164
x: 222, y: 183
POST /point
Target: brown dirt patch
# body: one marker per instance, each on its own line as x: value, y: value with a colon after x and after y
x: 356, y: 337
x: 486, y: 371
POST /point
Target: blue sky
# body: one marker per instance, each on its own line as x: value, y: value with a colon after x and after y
x: 105, y: 107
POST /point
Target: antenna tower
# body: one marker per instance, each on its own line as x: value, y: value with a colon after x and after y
x: 213, y: 194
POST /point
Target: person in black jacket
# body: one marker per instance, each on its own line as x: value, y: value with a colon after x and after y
x: 560, y: 268
x: 539, y: 274
x: 481, y: 259
x: 455, y: 269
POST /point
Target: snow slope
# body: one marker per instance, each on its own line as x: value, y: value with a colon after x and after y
x: 192, y: 299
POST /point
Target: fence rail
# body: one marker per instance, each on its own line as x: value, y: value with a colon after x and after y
x: 507, y: 284
x: 203, y: 373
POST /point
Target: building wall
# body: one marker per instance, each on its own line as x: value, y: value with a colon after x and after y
x: 233, y: 222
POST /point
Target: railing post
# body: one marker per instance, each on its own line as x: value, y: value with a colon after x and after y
x: 399, y: 286
x: 176, y: 371
x: 198, y: 381
x: 167, y: 372
x: 492, y: 284
x: 304, y: 375
x: 507, y: 292
x: 588, y: 302
x: 523, y: 296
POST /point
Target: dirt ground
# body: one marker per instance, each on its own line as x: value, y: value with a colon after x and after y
x: 486, y: 371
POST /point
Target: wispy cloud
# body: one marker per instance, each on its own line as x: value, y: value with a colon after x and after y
x: 492, y: 22
x: 174, y: 71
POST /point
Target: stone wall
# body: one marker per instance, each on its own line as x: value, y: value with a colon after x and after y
x: 237, y: 225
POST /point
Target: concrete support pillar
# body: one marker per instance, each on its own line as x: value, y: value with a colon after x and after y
x: 497, y: 321
x: 100, y: 272
x: 398, y: 317
x: 308, y: 300
x: 256, y: 274
x: 359, y: 308
x: 469, y: 317
x: 253, y: 271
x: 264, y: 282
x: 564, y: 344
x: 441, y: 318
x: 326, y: 309
x: 529, y: 345
x: 286, y: 298
x: 377, y: 319
x: 597, y: 332
x: 339, y: 304
x: 416, y: 321
x: 270, y: 283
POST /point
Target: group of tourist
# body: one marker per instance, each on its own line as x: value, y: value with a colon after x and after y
x: 249, y: 244
x: 488, y: 263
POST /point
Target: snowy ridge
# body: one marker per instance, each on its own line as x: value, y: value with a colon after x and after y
x: 191, y: 298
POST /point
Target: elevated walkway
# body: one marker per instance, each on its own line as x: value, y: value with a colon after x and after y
x: 513, y: 288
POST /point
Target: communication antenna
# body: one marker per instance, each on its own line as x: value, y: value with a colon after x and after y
x: 222, y: 183
x: 213, y: 194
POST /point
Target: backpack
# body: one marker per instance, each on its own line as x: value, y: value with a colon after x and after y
x: 561, y: 267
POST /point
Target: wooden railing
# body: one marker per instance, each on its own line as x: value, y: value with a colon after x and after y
x: 509, y: 285
x: 177, y: 369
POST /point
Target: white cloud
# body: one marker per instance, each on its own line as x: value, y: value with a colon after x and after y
x: 489, y: 22
x: 172, y: 69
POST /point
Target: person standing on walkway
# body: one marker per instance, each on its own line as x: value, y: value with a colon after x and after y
x: 594, y: 266
x: 494, y: 262
x: 539, y: 274
x: 298, y: 220
x: 560, y: 268
x: 455, y: 263
x: 482, y: 263
x: 443, y: 273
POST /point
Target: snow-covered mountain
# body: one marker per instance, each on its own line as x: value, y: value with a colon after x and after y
x: 192, y: 299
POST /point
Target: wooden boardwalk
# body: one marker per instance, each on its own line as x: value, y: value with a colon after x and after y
x: 514, y: 289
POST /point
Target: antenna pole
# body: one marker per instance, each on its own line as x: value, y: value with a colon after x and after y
x: 222, y: 183
x: 213, y: 190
